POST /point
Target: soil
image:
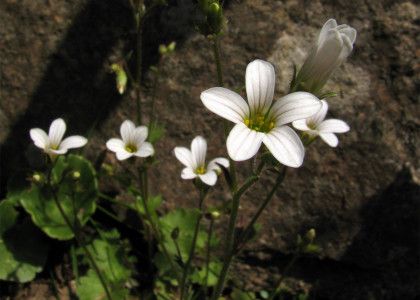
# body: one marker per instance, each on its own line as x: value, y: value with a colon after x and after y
x: 363, y: 197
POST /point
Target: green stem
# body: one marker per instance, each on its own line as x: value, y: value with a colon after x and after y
x: 208, y: 255
x: 230, y: 237
x: 155, y: 84
x: 194, y: 241
x: 81, y: 242
x: 248, y: 229
x: 155, y: 229
x: 218, y: 63
x: 284, y: 274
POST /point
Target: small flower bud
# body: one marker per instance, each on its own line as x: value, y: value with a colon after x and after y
x: 171, y: 47
x: 76, y: 175
x: 212, y: 215
x: 309, y: 236
x: 121, y: 81
x: 162, y: 49
x: 36, y: 178
x: 215, y: 17
x: 175, y: 233
x: 215, y: 215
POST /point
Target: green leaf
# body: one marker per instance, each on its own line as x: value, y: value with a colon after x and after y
x: 90, y: 287
x: 242, y: 295
x: 185, y: 221
x: 23, y: 249
x: 214, y: 271
x: 111, y: 257
x: 39, y: 201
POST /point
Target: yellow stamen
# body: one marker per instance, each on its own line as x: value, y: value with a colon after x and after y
x: 131, y: 148
x: 201, y: 170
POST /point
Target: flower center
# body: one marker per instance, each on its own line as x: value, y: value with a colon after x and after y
x: 54, y: 147
x: 200, y: 171
x: 259, y: 123
x: 131, y: 148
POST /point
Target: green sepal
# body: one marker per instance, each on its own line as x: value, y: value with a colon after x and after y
x: 328, y: 95
x: 293, y: 81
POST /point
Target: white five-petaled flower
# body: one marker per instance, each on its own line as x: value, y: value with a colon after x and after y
x: 133, y: 142
x: 316, y: 126
x: 195, y: 164
x: 258, y: 121
x: 53, y: 143
x: 334, y: 44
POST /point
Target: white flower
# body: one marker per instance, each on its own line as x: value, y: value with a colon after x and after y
x: 260, y: 122
x: 316, y: 126
x: 133, y: 142
x: 334, y: 44
x: 52, y: 144
x: 195, y: 162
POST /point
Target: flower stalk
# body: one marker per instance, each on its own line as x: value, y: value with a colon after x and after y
x: 194, y: 242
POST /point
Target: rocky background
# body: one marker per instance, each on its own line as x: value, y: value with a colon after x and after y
x: 363, y: 197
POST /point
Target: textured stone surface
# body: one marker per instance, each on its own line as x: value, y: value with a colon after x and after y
x: 361, y: 197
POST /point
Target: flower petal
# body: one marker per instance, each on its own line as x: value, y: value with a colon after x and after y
x: 145, y: 149
x: 260, y: 84
x: 184, y: 155
x: 330, y: 138
x: 115, y: 145
x: 39, y: 137
x: 295, y: 106
x: 56, y: 132
x: 317, y: 118
x: 214, y: 164
x: 209, y: 178
x: 55, y: 152
x: 122, y: 154
x: 349, y: 32
x: 139, y: 135
x: 188, y: 173
x: 333, y: 125
x: 127, y: 131
x: 198, y: 150
x: 285, y: 145
x: 225, y: 103
x: 301, y: 125
x: 75, y: 141
x: 243, y: 143
x: 330, y: 24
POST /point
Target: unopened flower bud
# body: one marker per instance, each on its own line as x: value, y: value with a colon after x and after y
x: 36, y: 178
x: 76, y: 175
x: 163, y: 49
x: 334, y: 44
x: 215, y: 215
x: 309, y: 236
x: 121, y: 81
x: 171, y: 47
x: 175, y: 233
x: 215, y: 17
